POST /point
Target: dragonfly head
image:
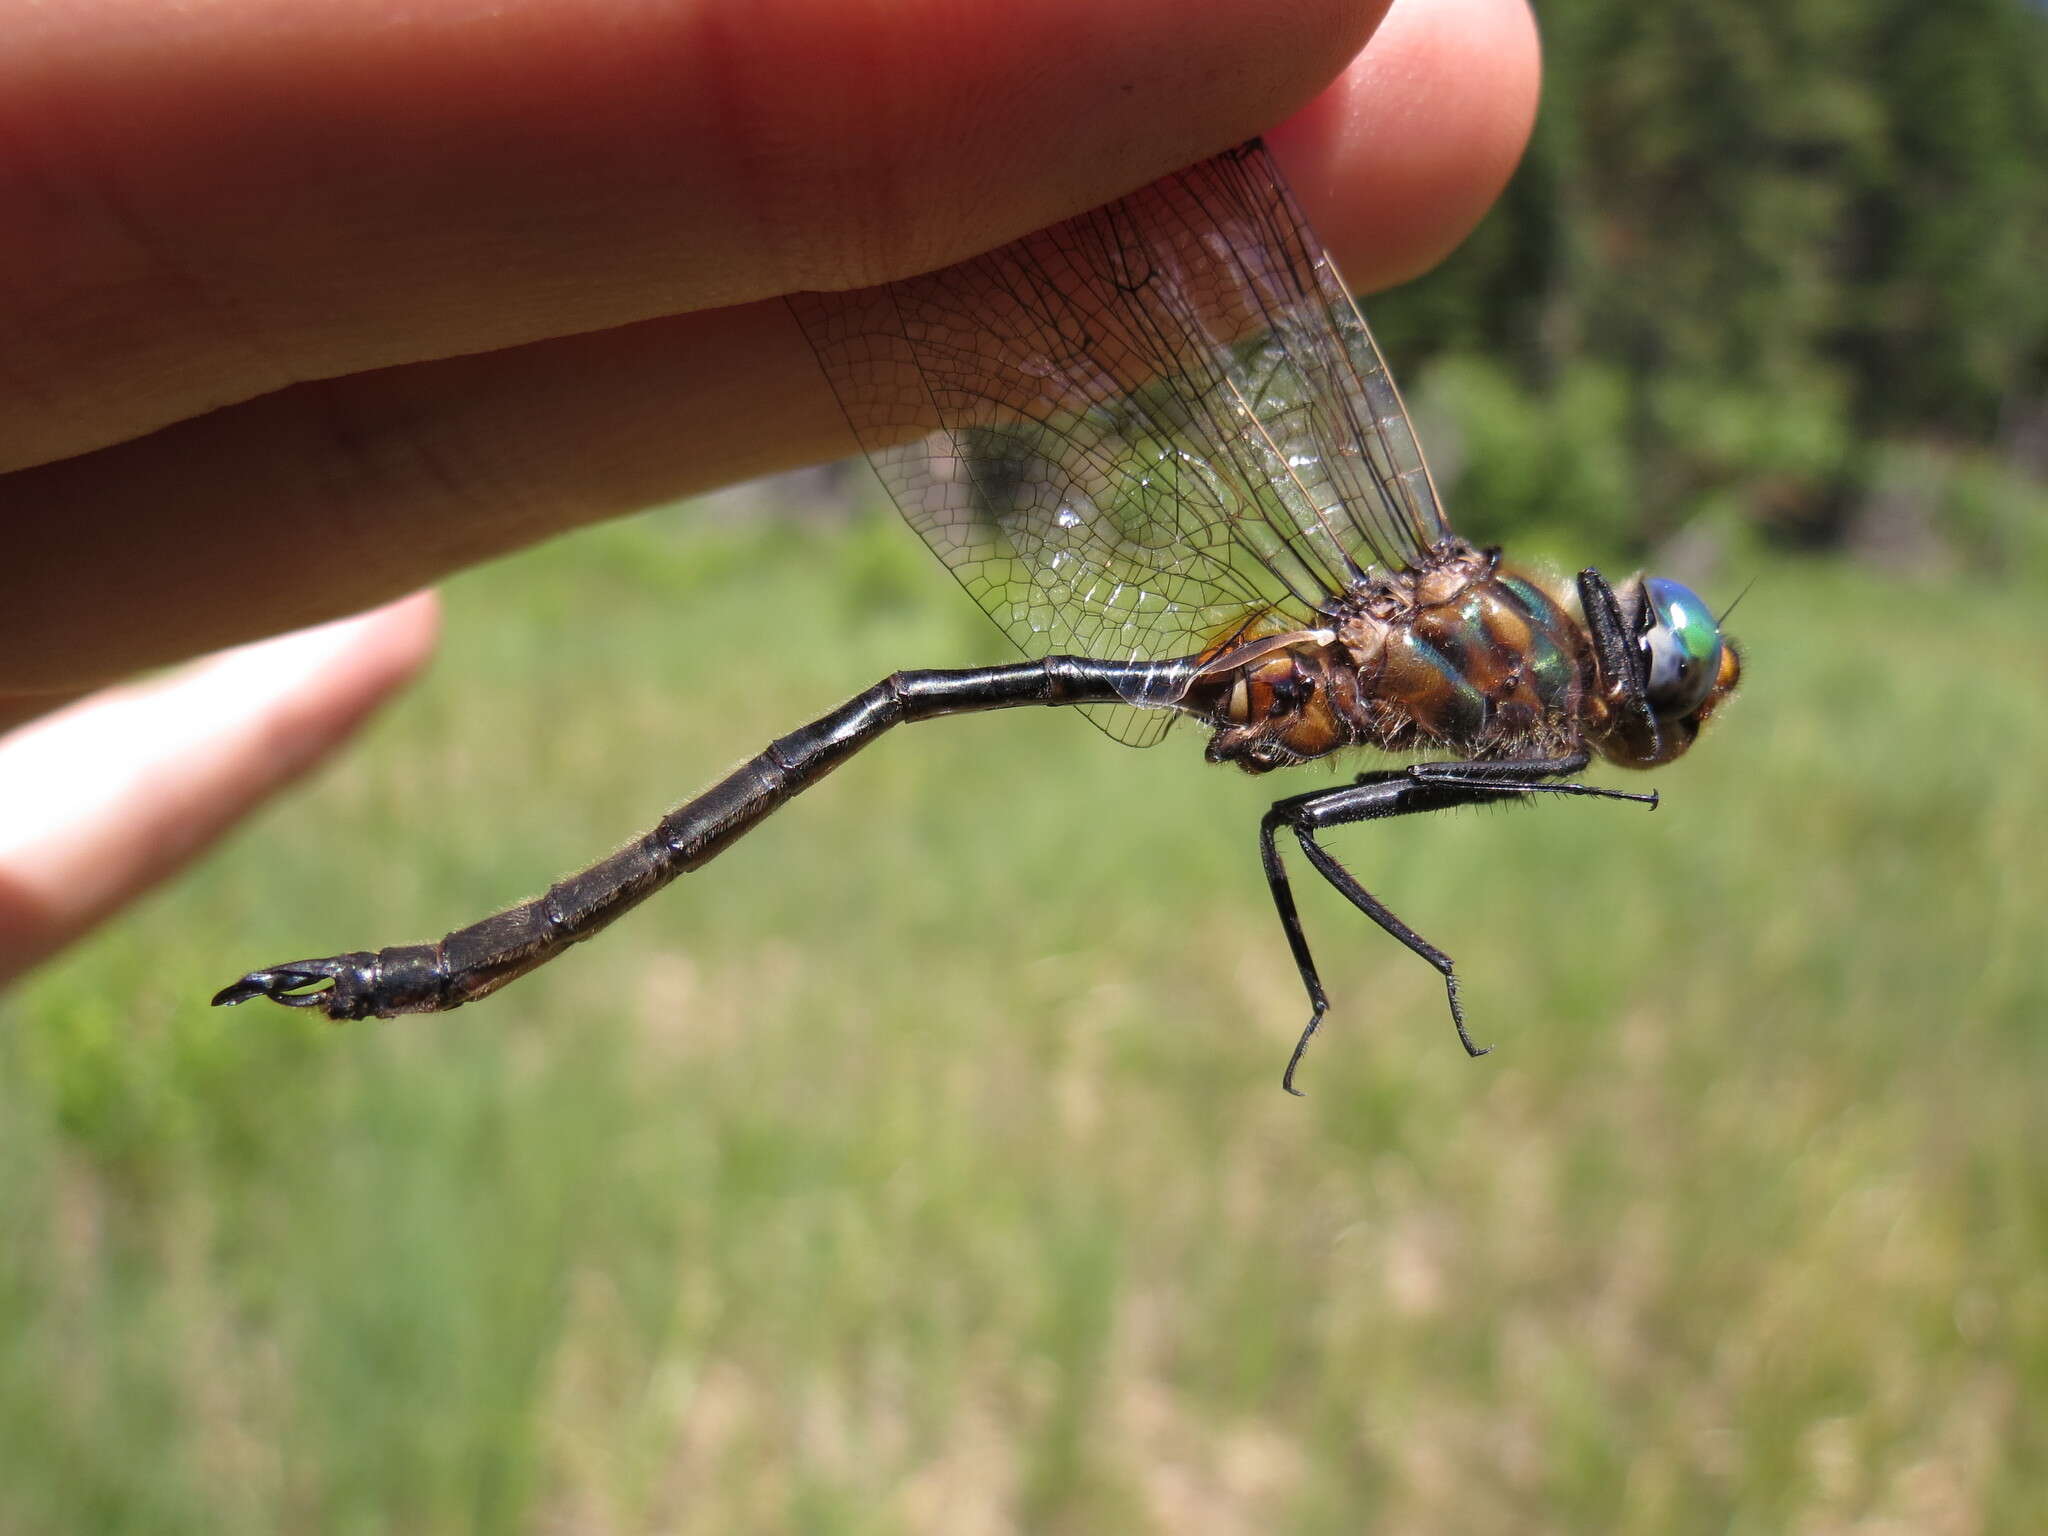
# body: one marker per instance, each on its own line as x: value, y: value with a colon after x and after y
x: 1685, y: 668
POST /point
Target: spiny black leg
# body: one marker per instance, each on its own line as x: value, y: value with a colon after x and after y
x: 1463, y: 775
x: 1297, y: 941
x: 1624, y: 665
x: 1510, y: 773
x: 1400, y: 792
x: 1347, y: 883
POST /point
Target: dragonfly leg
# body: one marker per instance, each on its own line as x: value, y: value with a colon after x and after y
x: 1348, y: 885
x: 1373, y: 797
x: 1379, y: 796
x: 1297, y: 940
x: 1518, y: 776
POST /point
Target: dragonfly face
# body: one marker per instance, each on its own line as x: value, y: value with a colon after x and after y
x: 1687, y: 667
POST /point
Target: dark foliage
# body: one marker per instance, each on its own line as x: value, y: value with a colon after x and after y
x: 1757, y: 246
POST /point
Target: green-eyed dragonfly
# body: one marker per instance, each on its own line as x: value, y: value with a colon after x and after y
x: 1158, y: 445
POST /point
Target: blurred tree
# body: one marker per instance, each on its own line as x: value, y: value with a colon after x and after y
x: 1782, y: 230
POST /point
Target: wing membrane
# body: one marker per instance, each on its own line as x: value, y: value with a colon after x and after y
x: 1135, y: 433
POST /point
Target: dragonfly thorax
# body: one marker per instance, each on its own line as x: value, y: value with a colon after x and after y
x: 1454, y: 656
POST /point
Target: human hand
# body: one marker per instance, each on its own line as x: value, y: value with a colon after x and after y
x: 308, y: 305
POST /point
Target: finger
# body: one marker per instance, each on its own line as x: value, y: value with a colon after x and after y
x: 106, y: 798
x: 1404, y: 153
x: 328, y: 498
x: 206, y: 203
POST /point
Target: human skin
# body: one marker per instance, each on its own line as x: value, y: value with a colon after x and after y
x: 304, y: 306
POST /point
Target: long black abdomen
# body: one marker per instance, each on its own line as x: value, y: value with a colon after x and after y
x: 474, y: 962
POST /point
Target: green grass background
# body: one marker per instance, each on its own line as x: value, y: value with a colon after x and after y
x: 922, y: 1164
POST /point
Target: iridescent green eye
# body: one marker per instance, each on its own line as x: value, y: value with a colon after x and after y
x: 1683, y: 642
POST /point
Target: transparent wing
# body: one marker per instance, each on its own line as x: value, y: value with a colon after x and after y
x: 1135, y: 434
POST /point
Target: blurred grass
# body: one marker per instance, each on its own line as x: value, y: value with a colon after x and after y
x: 922, y: 1165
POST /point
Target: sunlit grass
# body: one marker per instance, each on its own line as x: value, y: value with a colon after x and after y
x: 922, y: 1164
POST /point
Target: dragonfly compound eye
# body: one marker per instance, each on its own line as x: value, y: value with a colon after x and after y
x: 1683, y: 643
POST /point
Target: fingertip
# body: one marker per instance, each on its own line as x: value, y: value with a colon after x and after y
x: 107, y: 797
x: 302, y: 694
x: 389, y: 646
x: 1401, y: 156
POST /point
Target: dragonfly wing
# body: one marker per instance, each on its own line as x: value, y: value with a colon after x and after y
x: 1142, y: 432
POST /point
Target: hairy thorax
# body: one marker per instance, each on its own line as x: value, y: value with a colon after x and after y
x: 1455, y: 657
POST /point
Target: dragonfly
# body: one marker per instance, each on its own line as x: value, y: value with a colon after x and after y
x: 1158, y: 445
